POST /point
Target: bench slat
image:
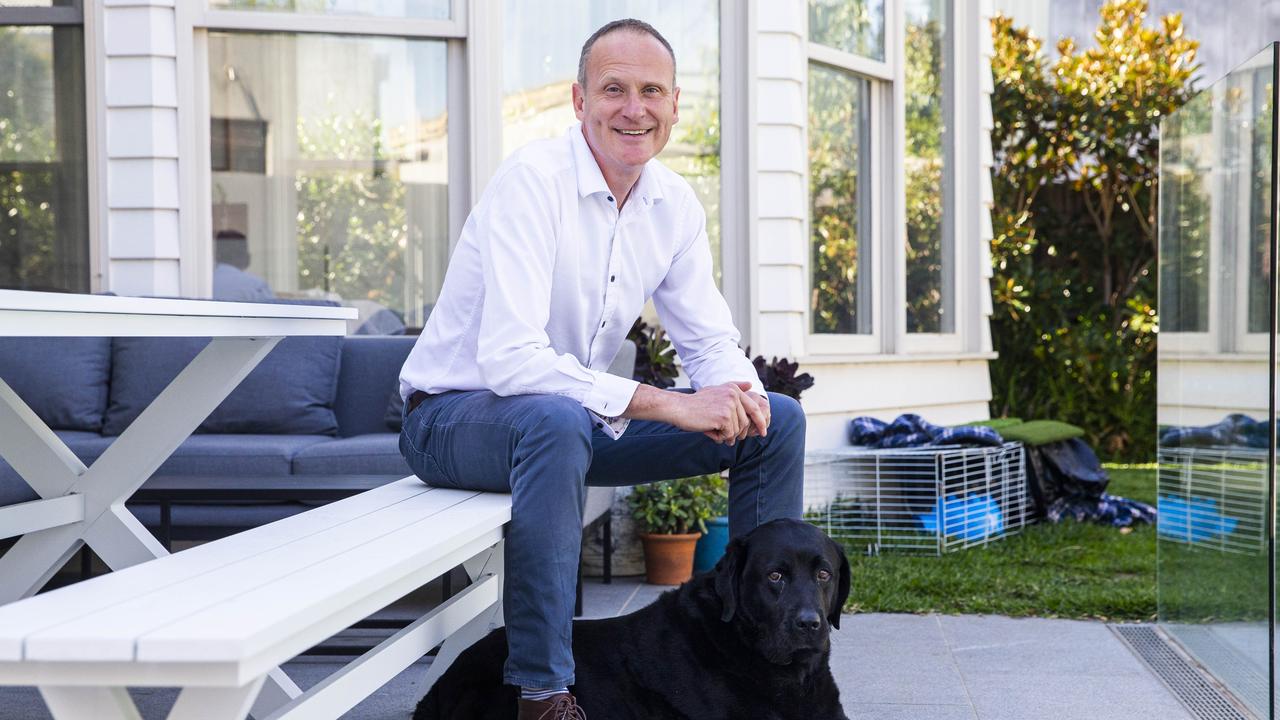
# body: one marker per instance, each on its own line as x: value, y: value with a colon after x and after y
x: 111, y: 633
x: 258, y: 621
x: 21, y: 619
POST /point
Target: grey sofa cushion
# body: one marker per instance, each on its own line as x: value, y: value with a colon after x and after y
x: 238, y: 454
x: 373, y: 454
x: 291, y: 392
x: 369, y: 373
x: 63, y: 380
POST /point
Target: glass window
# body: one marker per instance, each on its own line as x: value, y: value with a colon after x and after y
x: 423, y: 9
x: 1261, y: 109
x: 839, y: 213
x: 854, y: 26
x: 540, y: 65
x: 1185, y: 196
x: 44, y: 219
x: 930, y: 255
x: 330, y: 174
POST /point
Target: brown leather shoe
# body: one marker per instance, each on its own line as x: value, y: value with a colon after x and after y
x: 561, y: 706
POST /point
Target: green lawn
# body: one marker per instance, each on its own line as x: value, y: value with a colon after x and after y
x: 1068, y: 570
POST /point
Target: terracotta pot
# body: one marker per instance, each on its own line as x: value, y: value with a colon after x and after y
x: 668, y: 559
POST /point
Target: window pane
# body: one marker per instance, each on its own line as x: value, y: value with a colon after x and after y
x: 330, y: 175
x: 44, y: 221
x: 930, y: 254
x: 1258, y: 124
x: 424, y: 9
x: 839, y: 214
x: 540, y: 65
x: 854, y: 26
x: 1186, y: 177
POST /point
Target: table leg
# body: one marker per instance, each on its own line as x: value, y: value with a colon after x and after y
x: 51, y: 469
x: 89, y: 703
x: 204, y: 703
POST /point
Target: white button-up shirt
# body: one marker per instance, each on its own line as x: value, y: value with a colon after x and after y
x: 548, y: 277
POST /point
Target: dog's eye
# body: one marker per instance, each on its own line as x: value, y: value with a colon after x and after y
x: 823, y: 576
x: 775, y: 576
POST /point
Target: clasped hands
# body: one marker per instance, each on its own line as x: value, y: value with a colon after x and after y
x: 725, y: 413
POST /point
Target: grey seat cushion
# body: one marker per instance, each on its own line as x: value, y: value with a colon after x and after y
x: 238, y: 454
x: 291, y: 392
x: 63, y: 380
x: 372, y: 454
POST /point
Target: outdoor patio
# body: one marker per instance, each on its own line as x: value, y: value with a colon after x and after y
x: 888, y: 667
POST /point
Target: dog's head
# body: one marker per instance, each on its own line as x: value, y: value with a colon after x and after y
x: 786, y: 582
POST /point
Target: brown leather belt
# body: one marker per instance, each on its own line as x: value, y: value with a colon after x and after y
x: 415, y: 400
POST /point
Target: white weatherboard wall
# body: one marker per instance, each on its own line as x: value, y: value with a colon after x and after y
x: 142, y: 192
x: 150, y: 219
x: 943, y: 388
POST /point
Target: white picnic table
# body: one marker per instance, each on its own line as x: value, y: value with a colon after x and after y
x: 85, y: 505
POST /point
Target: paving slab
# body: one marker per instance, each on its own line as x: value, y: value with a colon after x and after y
x: 887, y: 666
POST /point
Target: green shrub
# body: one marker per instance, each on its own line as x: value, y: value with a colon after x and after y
x: 678, y: 507
x: 1074, y: 246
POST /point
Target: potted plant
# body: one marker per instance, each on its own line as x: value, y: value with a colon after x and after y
x: 672, y: 516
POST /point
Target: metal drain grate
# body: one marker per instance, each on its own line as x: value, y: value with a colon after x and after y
x: 1204, y: 698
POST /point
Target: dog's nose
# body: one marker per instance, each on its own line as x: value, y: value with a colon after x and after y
x: 808, y: 621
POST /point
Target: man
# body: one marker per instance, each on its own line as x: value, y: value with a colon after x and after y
x: 231, y: 278
x: 506, y: 390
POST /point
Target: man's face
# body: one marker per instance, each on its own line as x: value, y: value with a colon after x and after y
x: 629, y: 104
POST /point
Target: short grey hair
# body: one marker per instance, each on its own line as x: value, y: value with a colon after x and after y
x: 628, y: 24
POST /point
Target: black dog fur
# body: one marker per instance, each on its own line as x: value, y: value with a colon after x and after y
x: 733, y: 643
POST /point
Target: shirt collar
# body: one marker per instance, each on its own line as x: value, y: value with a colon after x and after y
x: 591, y: 180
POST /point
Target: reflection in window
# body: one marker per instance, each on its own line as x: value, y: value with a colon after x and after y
x: 44, y: 220
x: 1262, y: 108
x: 854, y: 26
x: 839, y: 216
x: 1185, y: 175
x: 540, y: 65
x: 929, y: 262
x: 330, y: 172
x: 423, y: 9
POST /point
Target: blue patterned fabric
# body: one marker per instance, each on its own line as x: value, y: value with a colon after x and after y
x: 1110, y: 509
x: 1236, y: 430
x: 913, y: 431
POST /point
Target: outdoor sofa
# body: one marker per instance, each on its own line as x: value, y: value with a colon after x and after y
x: 317, y: 420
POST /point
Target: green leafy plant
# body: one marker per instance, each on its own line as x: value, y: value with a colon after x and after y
x: 1074, y: 243
x: 678, y: 507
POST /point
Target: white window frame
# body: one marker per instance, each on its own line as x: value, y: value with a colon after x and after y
x: 465, y: 108
x: 884, y: 98
x: 953, y: 218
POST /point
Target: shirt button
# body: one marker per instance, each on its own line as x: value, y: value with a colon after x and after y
x: 610, y: 198
x: 602, y: 323
x: 612, y: 278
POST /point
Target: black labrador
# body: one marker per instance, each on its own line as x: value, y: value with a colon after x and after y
x: 748, y: 640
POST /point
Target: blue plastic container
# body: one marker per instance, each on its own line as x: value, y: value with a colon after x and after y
x: 711, y: 545
x: 973, y: 517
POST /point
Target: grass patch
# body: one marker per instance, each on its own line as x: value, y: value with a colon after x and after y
x: 1069, y: 570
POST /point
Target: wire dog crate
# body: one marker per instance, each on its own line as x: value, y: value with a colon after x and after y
x: 918, y: 500
x: 1213, y: 497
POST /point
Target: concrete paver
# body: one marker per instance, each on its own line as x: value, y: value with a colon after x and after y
x: 888, y: 667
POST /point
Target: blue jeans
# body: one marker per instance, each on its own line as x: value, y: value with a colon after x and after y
x: 543, y: 449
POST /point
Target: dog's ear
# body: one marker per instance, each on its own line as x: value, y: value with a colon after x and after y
x: 842, y: 589
x: 728, y: 574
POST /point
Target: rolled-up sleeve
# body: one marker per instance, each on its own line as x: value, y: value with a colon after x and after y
x: 517, y: 249
x: 695, y: 314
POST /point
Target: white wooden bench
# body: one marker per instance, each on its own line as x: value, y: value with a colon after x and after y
x: 219, y: 619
